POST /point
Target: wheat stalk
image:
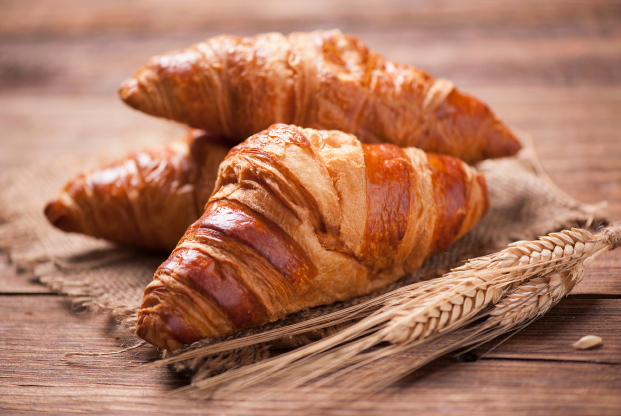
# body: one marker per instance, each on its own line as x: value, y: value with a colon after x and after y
x: 502, y: 292
x: 516, y: 310
x: 483, y: 280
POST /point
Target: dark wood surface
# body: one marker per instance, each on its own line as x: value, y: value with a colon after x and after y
x: 550, y: 68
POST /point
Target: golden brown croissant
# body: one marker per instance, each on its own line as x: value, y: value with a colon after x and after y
x: 147, y: 199
x: 299, y: 218
x: 236, y: 86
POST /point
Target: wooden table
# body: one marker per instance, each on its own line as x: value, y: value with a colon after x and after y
x: 550, y: 68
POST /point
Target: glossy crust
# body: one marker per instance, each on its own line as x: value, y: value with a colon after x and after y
x: 299, y: 218
x: 237, y: 86
x: 147, y: 199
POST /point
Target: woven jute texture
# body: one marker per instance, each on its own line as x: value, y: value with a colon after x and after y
x: 524, y: 204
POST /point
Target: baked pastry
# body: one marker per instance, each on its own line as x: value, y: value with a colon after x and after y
x: 147, y: 199
x: 299, y: 218
x: 237, y: 86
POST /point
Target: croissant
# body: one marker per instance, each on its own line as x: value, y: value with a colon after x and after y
x: 301, y: 217
x: 237, y: 86
x: 147, y: 199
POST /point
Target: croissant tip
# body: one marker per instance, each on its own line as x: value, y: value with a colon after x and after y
x: 152, y: 329
x: 129, y: 92
x: 502, y: 142
x: 59, y: 215
x: 159, y: 324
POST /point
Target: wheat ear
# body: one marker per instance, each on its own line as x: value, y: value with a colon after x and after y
x: 517, y: 309
x: 508, y: 289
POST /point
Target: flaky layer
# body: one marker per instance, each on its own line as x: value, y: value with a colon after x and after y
x: 299, y: 218
x: 147, y: 199
x: 237, y: 86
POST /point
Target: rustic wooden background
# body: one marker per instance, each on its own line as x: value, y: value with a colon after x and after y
x: 550, y: 68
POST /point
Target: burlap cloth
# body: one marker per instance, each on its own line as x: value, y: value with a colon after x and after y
x: 524, y: 204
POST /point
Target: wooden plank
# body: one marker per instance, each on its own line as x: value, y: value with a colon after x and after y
x: 99, y: 63
x: 551, y: 337
x: 73, y: 17
x: 490, y: 388
x: 36, y: 332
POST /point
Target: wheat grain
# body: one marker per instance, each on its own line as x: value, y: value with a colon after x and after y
x: 587, y: 342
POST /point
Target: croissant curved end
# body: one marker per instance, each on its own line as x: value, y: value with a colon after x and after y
x: 481, y: 134
x: 501, y: 142
x: 159, y: 323
x: 156, y: 87
x: 61, y: 216
x: 129, y: 92
x: 152, y: 328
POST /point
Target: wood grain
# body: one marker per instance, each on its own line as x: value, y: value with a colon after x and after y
x: 551, y: 338
x: 74, y: 17
x: 36, y: 332
x: 99, y: 63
